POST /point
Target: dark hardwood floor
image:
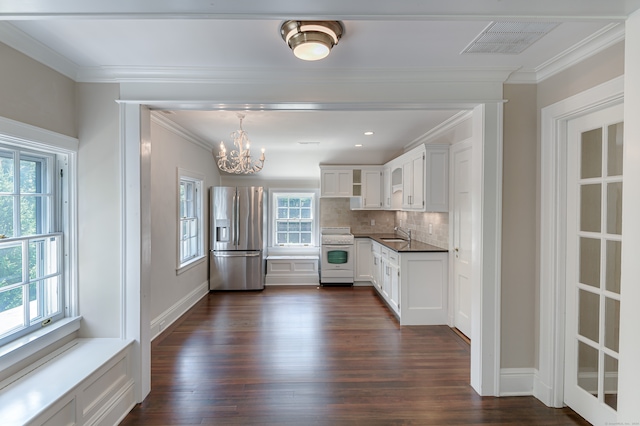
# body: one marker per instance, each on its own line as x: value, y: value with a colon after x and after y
x: 327, y: 356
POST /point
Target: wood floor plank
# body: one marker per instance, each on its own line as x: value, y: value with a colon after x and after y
x: 318, y: 356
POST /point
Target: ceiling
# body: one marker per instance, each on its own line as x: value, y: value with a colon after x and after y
x: 168, y: 41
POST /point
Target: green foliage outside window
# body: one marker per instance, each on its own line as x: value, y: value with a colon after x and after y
x: 29, y: 207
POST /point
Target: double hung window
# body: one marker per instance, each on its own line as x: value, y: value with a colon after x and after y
x: 31, y: 244
x: 190, y: 218
x: 294, y: 215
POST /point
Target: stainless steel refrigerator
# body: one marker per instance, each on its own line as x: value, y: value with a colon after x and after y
x: 236, y: 252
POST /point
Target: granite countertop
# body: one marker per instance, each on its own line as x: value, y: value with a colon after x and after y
x: 402, y: 247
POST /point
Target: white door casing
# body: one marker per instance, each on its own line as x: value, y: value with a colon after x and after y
x: 593, y: 243
x: 549, y: 382
x: 461, y: 256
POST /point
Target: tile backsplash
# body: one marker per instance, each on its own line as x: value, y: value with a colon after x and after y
x: 337, y: 212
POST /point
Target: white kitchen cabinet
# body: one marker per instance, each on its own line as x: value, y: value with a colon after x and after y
x: 363, y: 271
x: 437, y: 178
x: 376, y: 272
x: 412, y: 284
x: 391, y: 284
x: 367, y: 188
x: 413, y: 180
x: 372, y: 189
x: 425, y: 176
x: 386, y: 188
x: 423, y: 288
x: 336, y: 183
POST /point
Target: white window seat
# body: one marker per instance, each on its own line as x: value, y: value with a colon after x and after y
x: 87, y: 381
x: 283, y: 269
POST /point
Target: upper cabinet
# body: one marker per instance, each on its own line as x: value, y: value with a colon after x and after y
x: 367, y: 188
x: 415, y: 181
x: 336, y: 182
x: 437, y: 178
x: 425, y: 177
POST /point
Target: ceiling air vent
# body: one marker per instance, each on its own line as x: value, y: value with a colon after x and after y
x: 509, y: 38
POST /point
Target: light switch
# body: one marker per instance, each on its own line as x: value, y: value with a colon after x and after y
x: 430, y: 228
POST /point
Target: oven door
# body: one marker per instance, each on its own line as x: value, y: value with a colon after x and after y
x: 337, y: 263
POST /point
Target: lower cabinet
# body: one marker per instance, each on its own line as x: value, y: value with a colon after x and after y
x: 413, y: 284
x: 362, y: 272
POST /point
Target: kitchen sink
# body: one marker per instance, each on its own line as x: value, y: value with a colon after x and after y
x: 393, y: 240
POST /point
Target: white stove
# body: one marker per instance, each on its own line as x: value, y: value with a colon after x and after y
x: 336, y: 235
x: 337, y: 255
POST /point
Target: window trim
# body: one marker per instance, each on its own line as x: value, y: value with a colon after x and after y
x: 198, y: 179
x: 27, y: 137
x: 272, y: 217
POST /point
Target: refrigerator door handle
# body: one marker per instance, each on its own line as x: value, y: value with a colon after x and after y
x: 238, y: 254
x: 234, y: 218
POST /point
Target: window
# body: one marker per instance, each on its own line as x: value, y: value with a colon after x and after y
x: 294, y: 223
x: 190, y: 223
x: 32, y: 283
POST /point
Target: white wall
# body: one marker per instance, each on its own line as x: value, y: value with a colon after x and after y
x: 170, y: 151
x: 99, y: 211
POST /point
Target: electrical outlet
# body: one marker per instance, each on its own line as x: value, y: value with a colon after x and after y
x: 430, y: 228
x: 373, y: 222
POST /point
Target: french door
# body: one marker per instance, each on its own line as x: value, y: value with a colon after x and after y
x: 594, y: 246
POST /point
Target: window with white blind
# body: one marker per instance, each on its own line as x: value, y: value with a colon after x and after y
x: 190, y: 219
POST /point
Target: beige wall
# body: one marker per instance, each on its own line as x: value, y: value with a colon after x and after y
x: 35, y: 94
x: 518, y: 227
x: 587, y: 74
x: 595, y: 70
x: 168, y: 153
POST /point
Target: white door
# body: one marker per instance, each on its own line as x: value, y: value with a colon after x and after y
x: 461, y: 156
x: 594, y: 244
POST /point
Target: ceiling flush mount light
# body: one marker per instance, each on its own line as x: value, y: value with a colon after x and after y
x: 239, y: 160
x: 311, y: 40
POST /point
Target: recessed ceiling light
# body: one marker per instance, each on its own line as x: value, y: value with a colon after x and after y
x: 359, y: 145
x: 368, y: 133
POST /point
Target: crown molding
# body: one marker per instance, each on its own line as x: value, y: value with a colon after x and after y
x: 160, y: 119
x: 597, y: 42
x: 440, y: 129
x: 285, y: 75
x: 18, y: 40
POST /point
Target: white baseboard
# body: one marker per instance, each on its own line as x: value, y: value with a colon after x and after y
x: 543, y: 392
x: 169, y: 316
x: 362, y: 284
x: 517, y: 381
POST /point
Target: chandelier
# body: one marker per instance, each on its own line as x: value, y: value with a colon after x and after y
x: 239, y: 160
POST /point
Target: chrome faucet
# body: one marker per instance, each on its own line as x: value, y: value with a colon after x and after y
x: 407, y: 232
